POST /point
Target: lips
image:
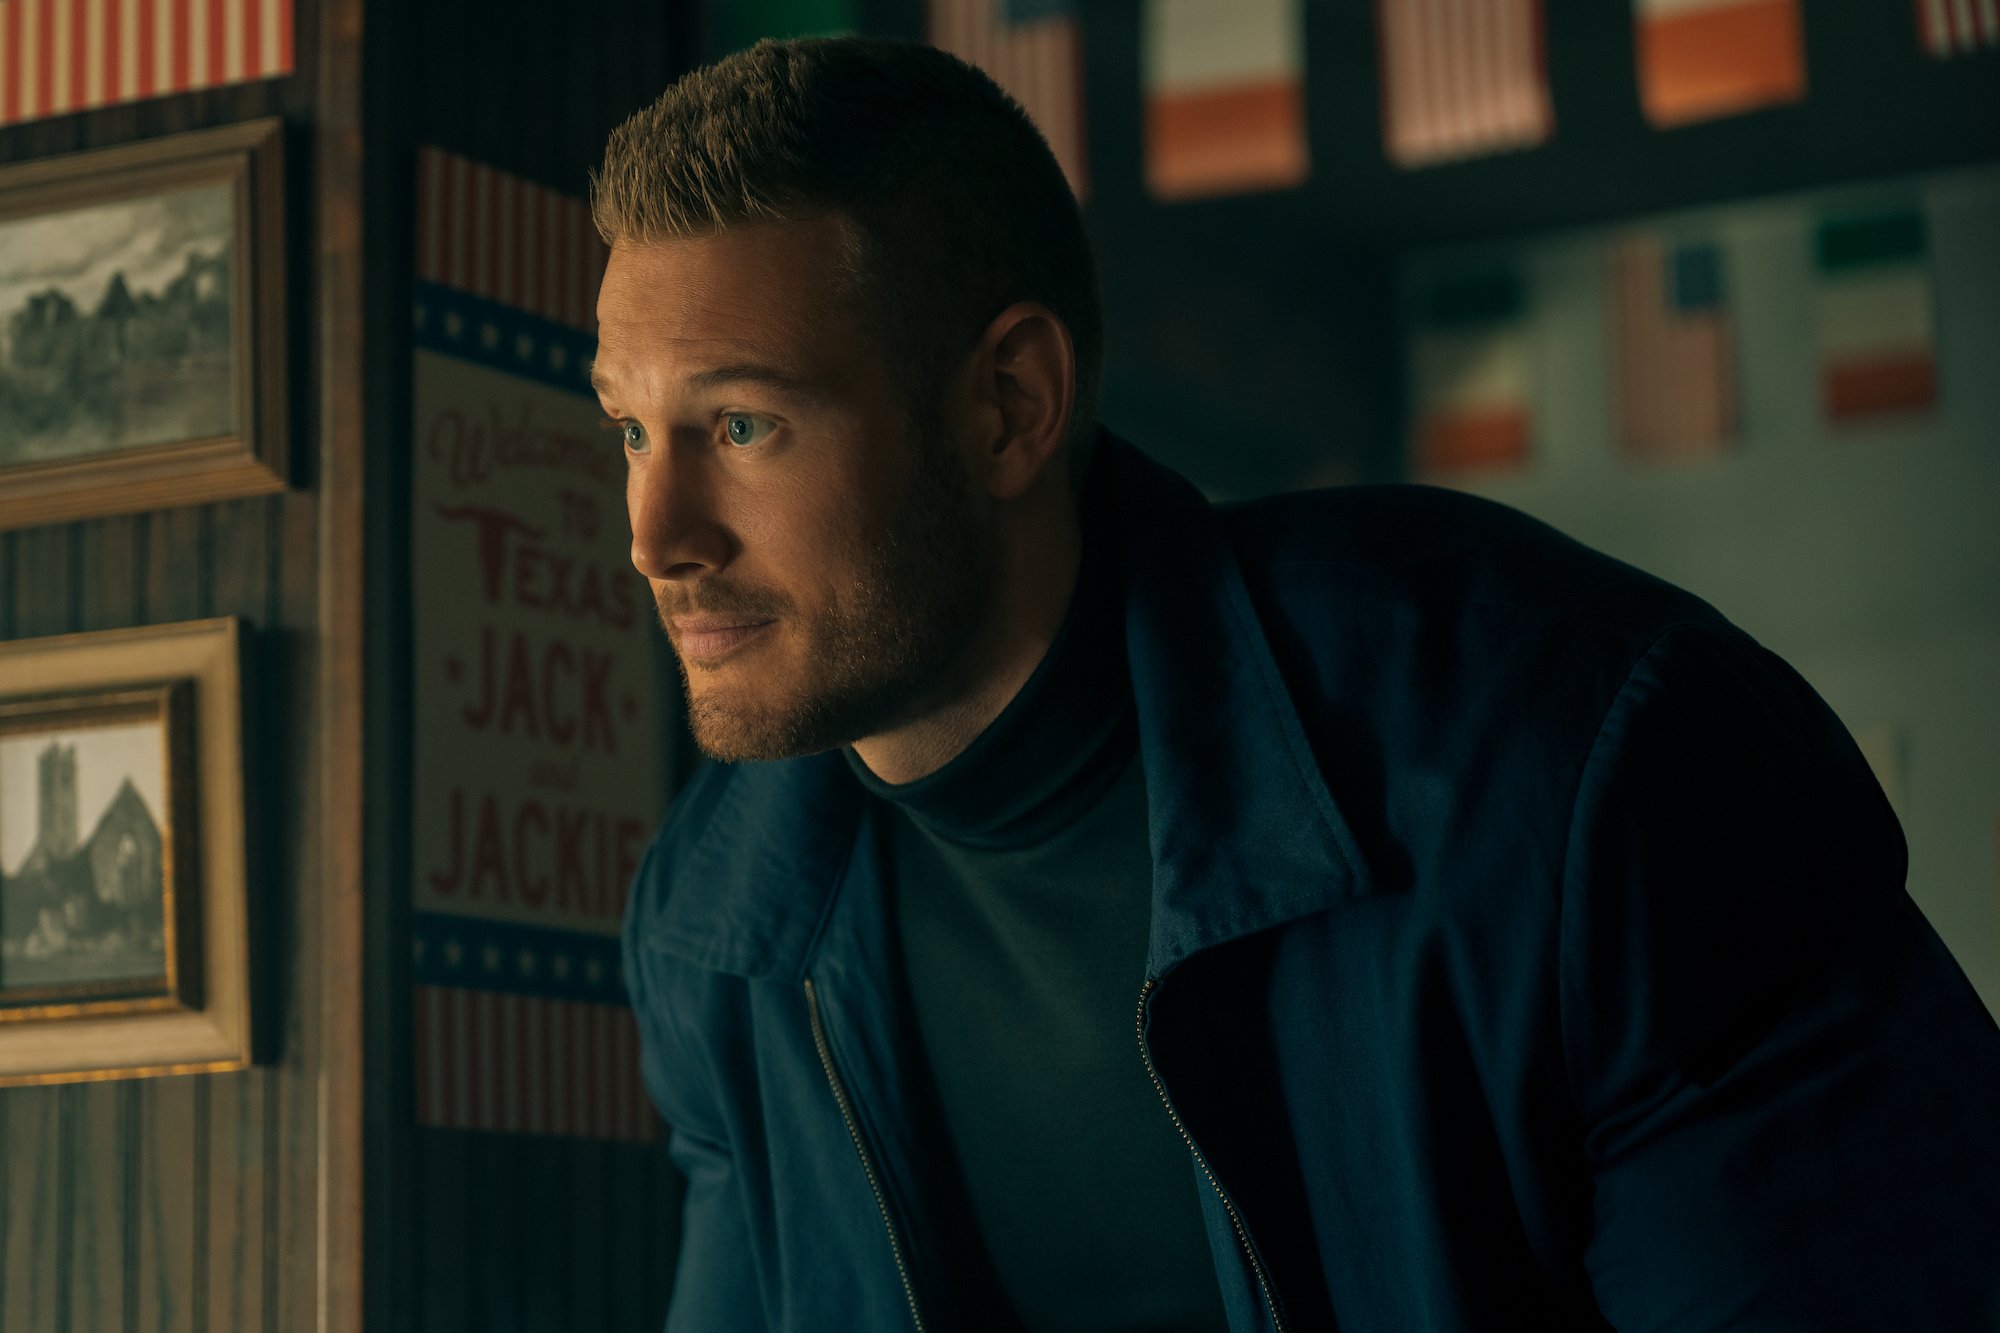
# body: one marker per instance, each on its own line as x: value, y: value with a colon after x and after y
x: 708, y: 638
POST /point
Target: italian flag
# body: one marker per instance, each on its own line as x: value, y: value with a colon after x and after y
x: 1876, y: 328
x: 735, y: 24
x: 1699, y: 59
x: 1471, y: 372
x: 1225, y: 100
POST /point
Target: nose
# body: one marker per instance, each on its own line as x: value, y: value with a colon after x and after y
x: 675, y: 532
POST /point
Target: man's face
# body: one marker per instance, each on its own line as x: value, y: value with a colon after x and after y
x: 818, y: 557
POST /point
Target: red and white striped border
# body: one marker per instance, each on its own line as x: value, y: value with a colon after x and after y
x: 1039, y: 63
x: 1955, y: 27
x: 1462, y: 77
x: 484, y: 231
x: 528, y: 1065
x: 59, y: 56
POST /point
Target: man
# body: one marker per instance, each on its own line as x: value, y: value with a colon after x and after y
x: 1363, y: 908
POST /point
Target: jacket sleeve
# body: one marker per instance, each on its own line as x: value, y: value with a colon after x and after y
x: 1790, y: 1093
x: 715, y: 1279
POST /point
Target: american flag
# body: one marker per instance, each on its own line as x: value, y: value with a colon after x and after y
x: 1033, y: 49
x: 1462, y: 77
x: 524, y: 1030
x: 1673, y: 348
x: 59, y: 56
x: 509, y: 240
x: 1955, y: 27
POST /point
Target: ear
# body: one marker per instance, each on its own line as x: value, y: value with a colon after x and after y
x: 1026, y: 386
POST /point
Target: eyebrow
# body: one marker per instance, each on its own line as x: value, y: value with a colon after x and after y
x: 716, y: 377
x: 769, y: 377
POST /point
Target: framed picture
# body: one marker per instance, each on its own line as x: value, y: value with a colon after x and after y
x: 142, y: 357
x: 124, y: 943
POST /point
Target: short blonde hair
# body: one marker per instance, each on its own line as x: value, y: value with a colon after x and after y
x: 956, y: 206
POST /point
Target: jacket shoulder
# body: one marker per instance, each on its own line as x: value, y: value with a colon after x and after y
x: 1431, y: 547
x: 1451, y: 661
x: 687, y: 814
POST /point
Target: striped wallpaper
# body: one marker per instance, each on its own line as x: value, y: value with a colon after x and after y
x: 59, y: 56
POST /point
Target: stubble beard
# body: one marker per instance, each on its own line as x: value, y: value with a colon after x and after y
x: 875, y: 659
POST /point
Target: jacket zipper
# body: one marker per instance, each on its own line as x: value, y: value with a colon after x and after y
x: 867, y: 1163
x: 1229, y: 1205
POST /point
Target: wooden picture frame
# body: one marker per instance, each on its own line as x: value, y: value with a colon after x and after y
x: 142, y: 361
x: 124, y: 939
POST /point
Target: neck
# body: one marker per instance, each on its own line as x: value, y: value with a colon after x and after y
x: 1034, y: 580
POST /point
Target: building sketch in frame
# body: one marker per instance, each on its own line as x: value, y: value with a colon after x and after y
x: 125, y: 944
x: 115, y: 326
x: 83, y: 864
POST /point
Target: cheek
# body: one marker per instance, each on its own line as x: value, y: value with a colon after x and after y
x: 807, y: 533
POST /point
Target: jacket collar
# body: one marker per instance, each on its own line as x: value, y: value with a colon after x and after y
x: 1244, y: 833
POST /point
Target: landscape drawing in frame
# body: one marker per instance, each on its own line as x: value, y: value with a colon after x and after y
x: 125, y: 947
x: 141, y: 326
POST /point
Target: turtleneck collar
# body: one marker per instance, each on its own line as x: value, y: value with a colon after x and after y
x: 1056, y: 746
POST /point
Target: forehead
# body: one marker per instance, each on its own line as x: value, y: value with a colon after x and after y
x: 770, y: 289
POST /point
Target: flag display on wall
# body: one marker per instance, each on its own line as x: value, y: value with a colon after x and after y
x: 1471, y: 373
x: 524, y: 1032
x: 506, y: 239
x: 1033, y: 49
x: 537, y: 750
x: 1673, y: 349
x: 59, y: 56
x: 1224, y: 85
x: 735, y: 24
x: 1877, y: 336
x: 1958, y: 27
x: 1461, y: 78
x: 1699, y: 59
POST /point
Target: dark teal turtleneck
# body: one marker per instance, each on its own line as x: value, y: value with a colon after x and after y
x: 1021, y: 885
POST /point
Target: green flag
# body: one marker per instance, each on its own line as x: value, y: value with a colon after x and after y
x: 735, y: 24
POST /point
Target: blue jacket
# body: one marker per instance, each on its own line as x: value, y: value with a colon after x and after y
x: 1529, y: 950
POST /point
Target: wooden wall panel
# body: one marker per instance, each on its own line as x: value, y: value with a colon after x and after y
x: 155, y: 1205
x: 293, y: 1000
x: 27, y: 1295
x: 190, y: 1203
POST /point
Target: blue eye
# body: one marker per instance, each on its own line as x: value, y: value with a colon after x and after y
x: 743, y: 429
x: 634, y: 436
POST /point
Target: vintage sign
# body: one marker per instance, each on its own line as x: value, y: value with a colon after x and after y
x: 537, y: 671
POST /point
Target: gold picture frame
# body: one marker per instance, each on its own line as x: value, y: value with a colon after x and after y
x: 142, y: 328
x: 124, y: 940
